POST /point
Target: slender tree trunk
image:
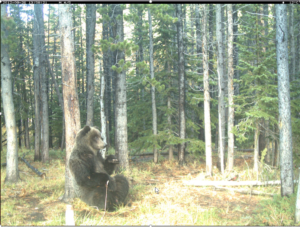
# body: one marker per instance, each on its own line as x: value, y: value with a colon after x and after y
x: 38, y: 9
x: 102, y: 111
x: 230, y: 159
x: 285, y: 127
x: 90, y: 62
x: 70, y: 97
x: 235, y: 49
x: 199, y: 71
x: 221, y: 88
x: 106, y: 104
x: 154, y: 116
x: 181, y: 75
x: 121, y: 145
x: 36, y: 72
x: 267, y: 125
x: 12, y: 172
x: 210, y: 40
x: 169, y: 117
x: 206, y: 95
x: 256, y: 147
x: 297, y: 56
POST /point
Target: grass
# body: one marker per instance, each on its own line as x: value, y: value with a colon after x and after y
x: 35, y: 201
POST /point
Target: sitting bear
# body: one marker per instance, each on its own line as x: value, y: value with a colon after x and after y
x: 90, y: 171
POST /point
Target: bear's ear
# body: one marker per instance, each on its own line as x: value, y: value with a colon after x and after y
x: 85, y: 130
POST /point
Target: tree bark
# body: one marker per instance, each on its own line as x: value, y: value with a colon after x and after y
x: 285, y: 127
x: 221, y: 87
x: 154, y: 115
x: 181, y: 83
x: 297, y: 211
x: 90, y: 64
x: 70, y: 97
x: 292, y: 38
x: 206, y: 95
x: 230, y: 159
x: 256, y: 146
x: 121, y: 145
x: 107, y: 90
x: 169, y: 117
x: 36, y: 72
x: 102, y: 111
x: 235, y: 49
x: 12, y: 172
x: 38, y: 10
x: 199, y: 71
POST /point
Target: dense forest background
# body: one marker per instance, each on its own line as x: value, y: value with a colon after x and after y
x: 152, y: 67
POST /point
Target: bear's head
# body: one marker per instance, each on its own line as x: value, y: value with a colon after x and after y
x: 90, y: 137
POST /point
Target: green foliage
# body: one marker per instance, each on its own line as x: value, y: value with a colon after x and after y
x: 276, y: 212
x: 263, y: 154
x: 258, y: 89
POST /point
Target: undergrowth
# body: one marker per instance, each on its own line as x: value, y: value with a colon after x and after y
x: 35, y: 201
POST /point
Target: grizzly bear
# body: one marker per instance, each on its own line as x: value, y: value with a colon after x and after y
x: 90, y: 172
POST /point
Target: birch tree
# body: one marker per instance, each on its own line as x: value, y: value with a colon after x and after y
x: 285, y: 127
x: 221, y: 87
x: 230, y: 159
x: 70, y: 97
x: 154, y: 116
x: 181, y: 85
x: 90, y: 64
x: 206, y: 95
x: 12, y: 172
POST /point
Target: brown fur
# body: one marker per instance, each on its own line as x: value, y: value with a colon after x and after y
x: 90, y: 171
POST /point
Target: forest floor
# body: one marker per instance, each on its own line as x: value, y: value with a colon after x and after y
x: 35, y: 201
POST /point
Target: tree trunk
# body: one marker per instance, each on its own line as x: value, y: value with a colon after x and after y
x: 297, y: 211
x: 36, y: 72
x: 199, y: 71
x: 206, y: 96
x: 121, y: 145
x: 38, y: 10
x: 285, y: 127
x: 221, y: 87
x: 181, y: 83
x: 12, y: 172
x: 106, y: 66
x: 90, y: 64
x: 292, y: 38
x: 235, y: 49
x: 267, y: 123
x: 154, y: 116
x: 102, y: 111
x: 256, y: 146
x: 60, y: 101
x: 70, y: 97
x: 169, y: 117
x: 230, y: 159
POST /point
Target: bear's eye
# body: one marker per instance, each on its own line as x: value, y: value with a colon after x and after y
x: 96, y: 138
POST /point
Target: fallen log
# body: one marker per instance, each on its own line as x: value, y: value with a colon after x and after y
x: 232, y: 183
x: 246, y: 191
x: 43, y: 175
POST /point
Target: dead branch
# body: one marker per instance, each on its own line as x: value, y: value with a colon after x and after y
x: 232, y: 183
x: 246, y: 191
x: 43, y: 175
